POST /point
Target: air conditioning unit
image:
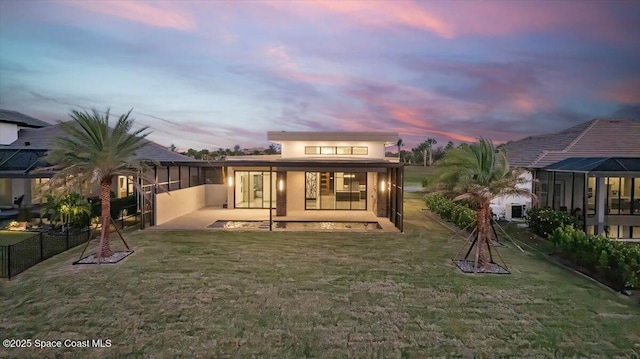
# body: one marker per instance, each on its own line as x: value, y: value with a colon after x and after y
x: 516, y: 211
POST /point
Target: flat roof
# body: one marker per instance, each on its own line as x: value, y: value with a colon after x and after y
x: 375, y: 136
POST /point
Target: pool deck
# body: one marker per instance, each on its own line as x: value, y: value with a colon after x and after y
x: 202, y: 218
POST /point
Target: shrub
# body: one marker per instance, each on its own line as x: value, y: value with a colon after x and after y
x: 458, y: 213
x: 616, y: 262
x: 544, y: 221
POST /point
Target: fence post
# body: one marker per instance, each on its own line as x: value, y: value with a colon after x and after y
x: 40, y: 236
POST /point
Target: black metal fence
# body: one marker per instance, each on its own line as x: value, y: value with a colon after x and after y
x: 18, y: 257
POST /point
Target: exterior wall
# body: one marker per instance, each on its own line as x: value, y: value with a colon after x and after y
x: 501, y: 205
x: 178, y: 203
x: 215, y: 195
x: 295, y: 191
x: 372, y: 191
x: 8, y: 133
x: 295, y: 149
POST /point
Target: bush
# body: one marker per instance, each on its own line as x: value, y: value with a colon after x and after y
x: 117, y: 205
x: 616, y: 262
x: 456, y: 212
x: 544, y: 221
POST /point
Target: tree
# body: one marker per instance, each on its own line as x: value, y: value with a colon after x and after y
x: 172, y: 148
x: 449, y: 146
x: 400, y: 143
x: 91, y: 151
x: 478, y: 173
x: 430, y: 142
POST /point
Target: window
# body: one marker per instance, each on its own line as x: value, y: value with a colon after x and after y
x: 591, y: 195
x: 252, y: 189
x: 336, y: 150
x: 336, y: 190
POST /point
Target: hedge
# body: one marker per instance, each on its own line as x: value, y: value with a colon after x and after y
x: 544, y: 221
x: 449, y: 210
x: 616, y: 262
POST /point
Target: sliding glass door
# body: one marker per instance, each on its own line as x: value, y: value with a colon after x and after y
x: 253, y: 189
x: 336, y: 190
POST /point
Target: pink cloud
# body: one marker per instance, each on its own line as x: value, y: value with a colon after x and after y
x: 378, y: 14
x: 625, y: 91
x: 145, y: 13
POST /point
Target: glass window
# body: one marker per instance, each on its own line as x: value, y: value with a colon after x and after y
x: 325, y: 150
x: 360, y: 150
x: 543, y: 196
x: 577, y: 201
x: 636, y: 232
x: 343, y: 150
x: 591, y: 195
x: 252, y: 189
x: 336, y: 190
x: 312, y: 150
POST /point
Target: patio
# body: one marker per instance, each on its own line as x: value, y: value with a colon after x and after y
x: 202, y: 218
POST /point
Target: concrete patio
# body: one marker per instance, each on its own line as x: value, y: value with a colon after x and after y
x: 202, y: 218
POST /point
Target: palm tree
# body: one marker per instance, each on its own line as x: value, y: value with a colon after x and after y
x: 400, y: 143
x: 93, y: 152
x: 478, y: 173
x: 430, y: 142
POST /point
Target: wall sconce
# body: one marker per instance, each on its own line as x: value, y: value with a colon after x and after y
x: 281, y: 185
x: 230, y: 181
x: 383, y: 186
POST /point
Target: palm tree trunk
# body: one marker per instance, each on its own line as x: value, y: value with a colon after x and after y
x: 484, y: 227
x: 424, y: 158
x: 105, y: 197
x: 430, y: 159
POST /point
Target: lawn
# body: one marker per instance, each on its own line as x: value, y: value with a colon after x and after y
x: 287, y: 294
x: 413, y: 175
x: 8, y: 238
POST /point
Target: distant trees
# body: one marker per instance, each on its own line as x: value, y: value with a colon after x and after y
x: 425, y: 154
x: 222, y: 153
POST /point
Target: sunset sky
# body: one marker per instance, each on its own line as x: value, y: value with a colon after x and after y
x: 210, y: 74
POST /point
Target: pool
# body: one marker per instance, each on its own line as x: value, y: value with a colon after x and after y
x: 368, y: 226
x: 298, y: 225
x: 239, y: 224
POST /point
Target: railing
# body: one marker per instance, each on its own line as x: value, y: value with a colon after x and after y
x: 18, y: 257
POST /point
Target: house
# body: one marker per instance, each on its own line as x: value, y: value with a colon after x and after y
x: 591, y: 170
x: 26, y: 140
x: 321, y: 171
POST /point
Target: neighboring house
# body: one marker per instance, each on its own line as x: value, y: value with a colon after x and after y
x: 25, y: 140
x: 320, y: 171
x: 591, y: 170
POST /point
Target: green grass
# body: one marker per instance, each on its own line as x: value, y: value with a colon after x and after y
x: 413, y: 175
x: 287, y: 294
x: 8, y: 238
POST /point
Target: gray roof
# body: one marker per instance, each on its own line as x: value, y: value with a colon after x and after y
x: 20, y: 119
x: 44, y: 139
x: 596, y: 138
x: 596, y: 164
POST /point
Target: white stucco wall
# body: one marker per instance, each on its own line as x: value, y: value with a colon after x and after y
x: 215, y: 194
x: 174, y: 204
x: 502, y: 204
x: 295, y: 149
x: 8, y: 133
x: 372, y: 191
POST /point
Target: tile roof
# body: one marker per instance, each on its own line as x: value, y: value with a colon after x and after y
x: 21, y: 119
x: 596, y: 138
x: 44, y: 139
x: 596, y: 164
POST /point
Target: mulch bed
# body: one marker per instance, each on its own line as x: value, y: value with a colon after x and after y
x: 115, y: 258
x: 467, y: 266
